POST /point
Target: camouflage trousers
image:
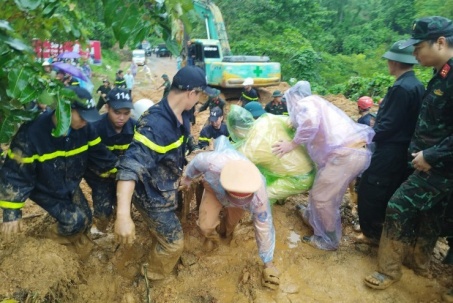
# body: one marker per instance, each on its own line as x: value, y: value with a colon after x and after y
x: 413, y: 222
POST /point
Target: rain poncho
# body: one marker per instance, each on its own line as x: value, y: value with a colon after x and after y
x: 337, y: 145
x: 290, y: 175
x: 210, y: 164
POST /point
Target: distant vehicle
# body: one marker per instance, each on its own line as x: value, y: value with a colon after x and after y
x: 139, y: 56
x: 162, y: 51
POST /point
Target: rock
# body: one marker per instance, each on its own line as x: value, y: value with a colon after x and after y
x: 290, y: 288
x: 188, y: 259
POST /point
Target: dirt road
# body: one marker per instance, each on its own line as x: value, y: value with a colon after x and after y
x: 33, y: 269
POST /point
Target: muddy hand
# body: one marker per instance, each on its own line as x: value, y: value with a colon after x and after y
x: 270, y: 278
x: 124, y: 230
x: 8, y: 229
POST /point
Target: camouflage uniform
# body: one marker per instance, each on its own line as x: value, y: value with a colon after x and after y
x: 412, y: 222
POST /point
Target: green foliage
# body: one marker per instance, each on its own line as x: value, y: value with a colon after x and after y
x: 22, y: 80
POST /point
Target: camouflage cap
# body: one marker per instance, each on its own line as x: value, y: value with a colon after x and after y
x: 429, y: 28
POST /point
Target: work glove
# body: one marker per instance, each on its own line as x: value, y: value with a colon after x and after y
x: 270, y: 278
x: 8, y: 229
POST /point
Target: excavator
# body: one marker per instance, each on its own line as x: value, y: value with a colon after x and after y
x: 213, y: 54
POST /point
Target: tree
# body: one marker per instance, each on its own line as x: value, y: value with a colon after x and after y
x: 22, y: 79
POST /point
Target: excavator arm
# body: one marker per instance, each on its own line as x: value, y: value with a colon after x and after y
x: 215, y: 27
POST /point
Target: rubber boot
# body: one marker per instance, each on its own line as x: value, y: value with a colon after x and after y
x: 79, y: 243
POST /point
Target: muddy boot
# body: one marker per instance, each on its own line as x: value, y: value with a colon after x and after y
x: 79, y: 243
x: 390, y: 257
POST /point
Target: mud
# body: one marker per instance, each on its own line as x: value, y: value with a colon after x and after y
x: 34, y: 269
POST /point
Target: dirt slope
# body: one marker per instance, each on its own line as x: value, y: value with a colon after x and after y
x: 33, y: 269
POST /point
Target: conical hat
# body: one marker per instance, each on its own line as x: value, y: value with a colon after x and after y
x: 240, y: 176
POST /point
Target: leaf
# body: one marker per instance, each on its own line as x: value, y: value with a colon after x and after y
x: 17, y: 44
x: 19, y: 86
x: 5, y: 25
x: 63, y: 115
x: 7, y: 128
x: 46, y: 98
x: 28, y: 4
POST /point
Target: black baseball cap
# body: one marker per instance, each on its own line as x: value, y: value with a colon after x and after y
x: 192, y: 78
x: 84, y: 104
x: 119, y: 98
x: 215, y: 114
x: 429, y: 28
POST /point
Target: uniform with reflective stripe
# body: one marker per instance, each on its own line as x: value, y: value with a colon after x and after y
x: 155, y: 158
x: 209, y: 132
x: 44, y: 168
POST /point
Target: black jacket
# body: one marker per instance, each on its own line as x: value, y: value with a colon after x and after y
x: 40, y: 165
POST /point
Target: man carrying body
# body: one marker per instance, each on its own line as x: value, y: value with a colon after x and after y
x: 149, y: 172
x: 413, y: 216
x: 116, y: 129
x: 48, y: 170
x: 394, y: 126
x: 337, y: 145
x: 215, y: 129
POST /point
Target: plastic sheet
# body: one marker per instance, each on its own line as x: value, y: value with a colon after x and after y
x: 292, y: 174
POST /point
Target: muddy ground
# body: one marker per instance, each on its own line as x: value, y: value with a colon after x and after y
x: 35, y: 269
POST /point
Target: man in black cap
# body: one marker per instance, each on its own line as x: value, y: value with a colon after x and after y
x: 394, y: 126
x: 413, y: 216
x: 48, y: 170
x: 215, y: 129
x: 150, y: 171
x: 103, y: 91
x: 116, y: 129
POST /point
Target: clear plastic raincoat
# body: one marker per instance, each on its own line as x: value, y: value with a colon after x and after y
x: 210, y: 164
x: 337, y: 145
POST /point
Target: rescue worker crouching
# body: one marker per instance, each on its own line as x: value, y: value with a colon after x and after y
x: 215, y: 129
x: 48, y: 170
x: 116, y: 129
x: 234, y: 184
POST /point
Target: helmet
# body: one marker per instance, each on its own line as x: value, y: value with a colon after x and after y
x: 365, y: 102
x: 140, y: 107
x: 46, y: 63
x: 400, y: 55
x: 248, y: 81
